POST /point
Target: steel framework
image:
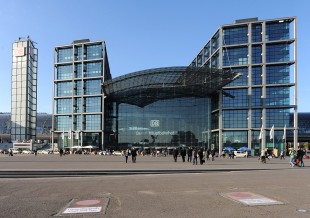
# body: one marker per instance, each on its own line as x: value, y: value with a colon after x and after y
x: 148, y: 86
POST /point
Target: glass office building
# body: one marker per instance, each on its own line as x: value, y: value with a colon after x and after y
x: 240, y: 86
x: 24, y: 90
x: 245, y: 111
x: 78, y: 103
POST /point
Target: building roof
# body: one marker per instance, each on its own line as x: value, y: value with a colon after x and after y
x: 148, y: 86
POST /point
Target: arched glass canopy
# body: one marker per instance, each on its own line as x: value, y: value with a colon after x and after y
x: 148, y: 86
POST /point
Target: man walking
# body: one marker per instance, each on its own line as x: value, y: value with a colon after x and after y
x: 189, y: 154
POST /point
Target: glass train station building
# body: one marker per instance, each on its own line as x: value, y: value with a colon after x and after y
x: 241, y: 83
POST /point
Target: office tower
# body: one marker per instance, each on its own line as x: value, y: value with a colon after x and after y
x: 80, y: 69
x: 24, y: 90
x: 265, y: 52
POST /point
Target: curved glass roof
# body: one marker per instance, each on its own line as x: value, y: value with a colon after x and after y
x: 145, y: 87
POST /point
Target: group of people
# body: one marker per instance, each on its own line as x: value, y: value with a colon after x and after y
x: 132, y: 153
x: 296, y: 157
x: 193, y: 154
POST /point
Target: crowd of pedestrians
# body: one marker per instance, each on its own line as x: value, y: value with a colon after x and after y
x: 194, y: 155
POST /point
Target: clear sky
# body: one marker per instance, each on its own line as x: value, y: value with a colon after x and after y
x: 139, y: 34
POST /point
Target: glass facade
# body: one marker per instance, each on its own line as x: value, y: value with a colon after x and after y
x: 24, y: 90
x: 175, y: 122
x: 78, y: 110
x: 263, y: 52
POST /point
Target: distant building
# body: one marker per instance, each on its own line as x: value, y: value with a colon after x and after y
x: 24, y: 90
x: 43, y: 127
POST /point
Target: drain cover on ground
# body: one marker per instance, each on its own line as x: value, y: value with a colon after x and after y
x: 250, y: 199
x: 85, y: 206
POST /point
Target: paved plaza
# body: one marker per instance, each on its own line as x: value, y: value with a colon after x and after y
x: 152, y: 187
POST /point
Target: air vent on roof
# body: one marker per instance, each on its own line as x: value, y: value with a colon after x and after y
x: 247, y: 20
x: 80, y: 41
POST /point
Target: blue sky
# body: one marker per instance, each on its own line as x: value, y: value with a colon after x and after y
x: 139, y: 34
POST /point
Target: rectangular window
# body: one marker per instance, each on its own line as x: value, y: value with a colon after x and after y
x: 256, y: 33
x: 64, y: 55
x: 242, y: 80
x: 278, y: 74
x: 92, y: 87
x: 235, y: 98
x: 235, y: 118
x: 235, y: 35
x: 93, y: 51
x: 93, y: 69
x: 64, y: 72
x: 235, y: 56
x: 277, y: 53
x: 256, y: 99
x: 257, y: 54
x: 278, y: 96
x: 277, y: 31
x: 256, y: 75
x: 64, y: 89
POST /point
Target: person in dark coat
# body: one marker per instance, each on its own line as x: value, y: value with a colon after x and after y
x: 200, y: 154
x: 175, y: 154
x: 183, y: 154
x: 189, y: 155
x: 134, y: 155
x: 61, y: 152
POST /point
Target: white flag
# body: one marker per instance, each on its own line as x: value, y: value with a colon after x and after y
x: 261, y: 133
x: 69, y: 134
x: 77, y: 135
x: 63, y: 135
x: 284, y: 132
x: 272, y: 132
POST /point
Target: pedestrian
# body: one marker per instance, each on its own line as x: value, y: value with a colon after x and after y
x: 10, y: 152
x: 195, y: 156
x: 61, y: 152
x: 189, y: 155
x: 213, y: 154
x: 200, y: 154
x: 300, y: 155
x: 175, y: 154
x: 134, y: 155
x: 292, y: 154
x: 208, y: 154
x: 126, y: 154
x: 282, y: 155
x: 183, y: 154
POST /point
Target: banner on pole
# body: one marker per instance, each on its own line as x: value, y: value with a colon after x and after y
x: 272, y: 132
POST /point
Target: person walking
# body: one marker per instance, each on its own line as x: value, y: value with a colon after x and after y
x: 126, y: 155
x: 300, y: 155
x: 134, y: 155
x: 189, y: 155
x: 282, y: 155
x: 61, y: 152
x: 175, y: 154
x: 208, y: 154
x: 292, y: 154
x: 200, y: 154
x: 195, y: 156
x: 213, y: 154
x: 10, y: 152
x: 183, y: 154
